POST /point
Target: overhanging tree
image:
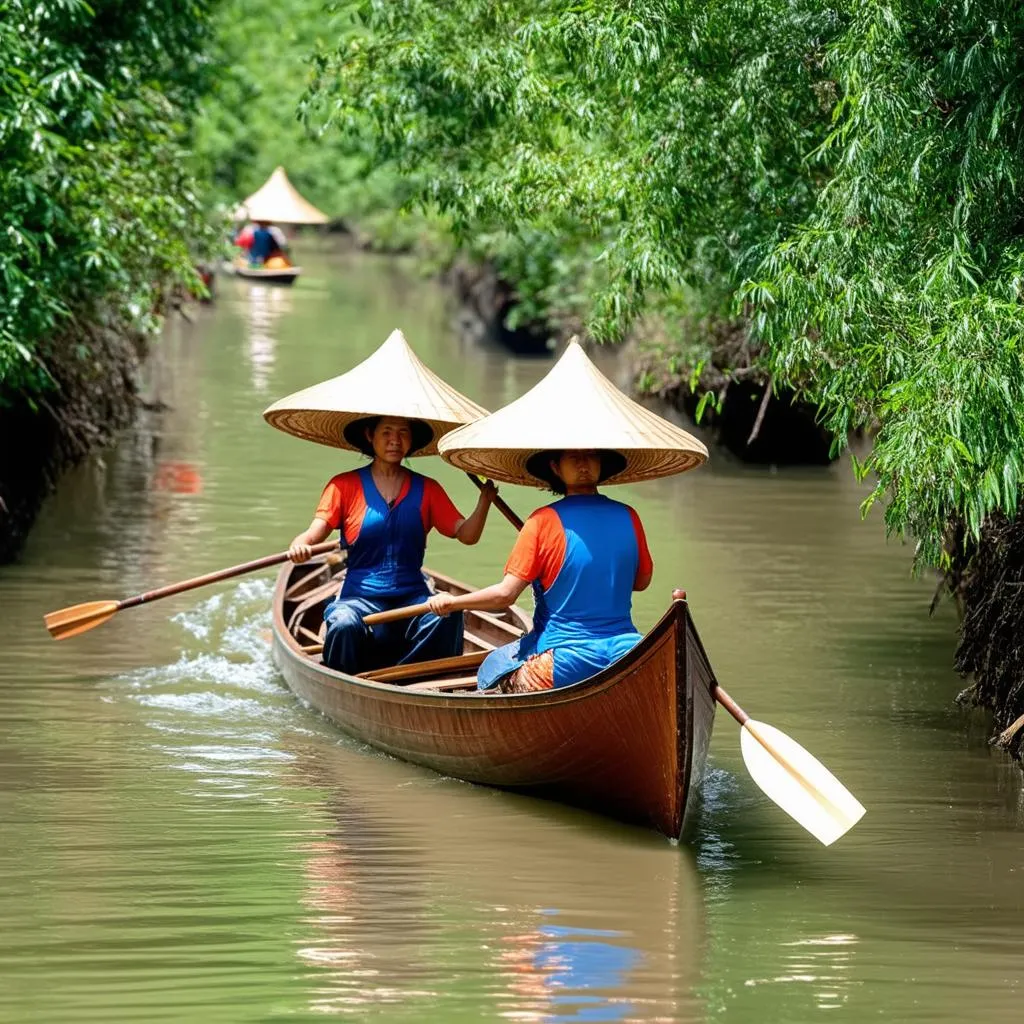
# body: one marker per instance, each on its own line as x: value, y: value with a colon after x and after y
x: 844, y: 175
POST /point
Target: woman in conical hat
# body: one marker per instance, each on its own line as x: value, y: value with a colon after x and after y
x: 585, y: 554
x: 389, y: 407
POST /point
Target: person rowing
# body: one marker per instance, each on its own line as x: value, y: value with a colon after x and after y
x: 268, y: 243
x: 585, y: 554
x: 383, y: 511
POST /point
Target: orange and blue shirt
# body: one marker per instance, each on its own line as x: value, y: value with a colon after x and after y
x: 386, y: 544
x: 583, y: 554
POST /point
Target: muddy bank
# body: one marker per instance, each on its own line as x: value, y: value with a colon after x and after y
x: 95, y: 368
x: 988, y: 583
x: 486, y: 305
x: 707, y: 366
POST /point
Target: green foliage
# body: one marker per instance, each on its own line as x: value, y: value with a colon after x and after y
x: 610, y: 131
x: 247, y: 123
x: 844, y: 175
x: 898, y: 299
x: 95, y: 210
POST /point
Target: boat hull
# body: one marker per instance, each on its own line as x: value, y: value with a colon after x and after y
x: 282, y: 276
x: 630, y: 742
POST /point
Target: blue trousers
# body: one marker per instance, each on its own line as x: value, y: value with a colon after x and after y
x: 352, y: 647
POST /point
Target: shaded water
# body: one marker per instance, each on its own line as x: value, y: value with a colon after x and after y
x: 181, y: 839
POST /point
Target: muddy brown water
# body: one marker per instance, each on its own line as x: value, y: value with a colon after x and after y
x: 180, y: 839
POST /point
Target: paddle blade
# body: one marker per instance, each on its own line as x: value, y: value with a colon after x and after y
x: 798, y: 782
x: 79, y: 618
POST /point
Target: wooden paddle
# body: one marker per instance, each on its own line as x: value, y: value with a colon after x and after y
x: 80, y: 618
x: 794, y: 778
x: 499, y: 502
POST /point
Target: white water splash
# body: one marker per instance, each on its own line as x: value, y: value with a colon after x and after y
x: 220, y: 707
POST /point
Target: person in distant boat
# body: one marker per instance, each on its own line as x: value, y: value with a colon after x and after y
x: 266, y: 244
x: 384, y: 513
x: 584, y: 555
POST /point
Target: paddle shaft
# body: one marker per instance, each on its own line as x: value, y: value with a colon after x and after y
x: 730, y: 705
x: 396, y: 613
x: 215, y: 577
x: 499, y: 503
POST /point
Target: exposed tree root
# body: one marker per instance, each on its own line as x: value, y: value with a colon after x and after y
x: 755, y: 420
x: 989, y: 581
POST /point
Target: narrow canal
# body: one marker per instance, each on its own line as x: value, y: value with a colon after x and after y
x: 181, y: 839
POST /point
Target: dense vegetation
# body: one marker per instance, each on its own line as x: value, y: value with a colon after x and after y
x: 844, y: 176
x: 247, y: 123
x: 98, y: 218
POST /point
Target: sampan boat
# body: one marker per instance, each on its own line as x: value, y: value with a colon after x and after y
x: 277, y: 275
x: 630, y: 742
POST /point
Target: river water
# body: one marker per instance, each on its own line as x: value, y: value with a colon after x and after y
x: 180, y: 839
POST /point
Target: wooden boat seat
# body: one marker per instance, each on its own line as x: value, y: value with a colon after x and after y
x: 444, y: 685
x: 313, y: 599
x: 476, y: 643
x: 436, y: 667
x: 514, y: 632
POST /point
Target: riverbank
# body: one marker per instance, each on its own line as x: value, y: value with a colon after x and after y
x: 94, y: 395
x: 988, y: 584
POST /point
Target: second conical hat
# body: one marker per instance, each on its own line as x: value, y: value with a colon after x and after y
x: 279, y: 201
x: 391, y: 382
x: 574, y: 407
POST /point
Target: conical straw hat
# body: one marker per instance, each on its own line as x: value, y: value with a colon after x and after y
x: 391, y: 382
x: 573, y: 407
x: 279, y: 201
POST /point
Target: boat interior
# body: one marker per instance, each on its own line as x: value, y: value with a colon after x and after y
x: 313, y: 584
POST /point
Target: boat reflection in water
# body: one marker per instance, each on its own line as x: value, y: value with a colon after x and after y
x: 264, y: 305
x: 439, y: 899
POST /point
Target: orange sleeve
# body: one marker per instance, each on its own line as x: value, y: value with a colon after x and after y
x: 438, y: 510
x: 332, y: 502
x: 646, y: 563
x: 539, y: 550
x: 342, y: 505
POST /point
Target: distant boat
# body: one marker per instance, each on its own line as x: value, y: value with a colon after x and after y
x: 630, y: 742
x: 268, y: 275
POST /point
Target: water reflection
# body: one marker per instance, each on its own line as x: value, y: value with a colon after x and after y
x: 559, y: 973
x: 263, y: 306
x: 427, y: 889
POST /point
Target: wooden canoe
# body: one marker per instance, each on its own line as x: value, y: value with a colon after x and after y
x: 630, y: 742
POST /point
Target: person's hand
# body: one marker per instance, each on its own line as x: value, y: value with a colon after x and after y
x: 488, y: 492
x: 441, y: 604
x: 678, y: 595
x: 300, y: 551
